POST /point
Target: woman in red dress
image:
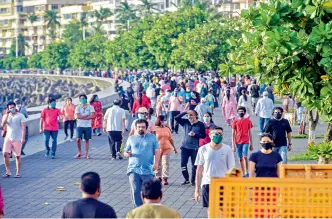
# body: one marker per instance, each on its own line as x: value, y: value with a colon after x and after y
x: 97, y: 122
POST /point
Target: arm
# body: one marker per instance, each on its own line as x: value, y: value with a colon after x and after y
x: 187, y: 106
x: 123, y: 125
x: 251, y: 147
x: 4, y: 120
x: 129, y: 107
x: 41, y: 125
x: 199, y: 173
x: 78, y: 116
x: 202, y: 133
x: 289, y: 137
x: 252, y: 167
x: 179, y: 118
x: 156, y: 158
x: 258, y: 106
x: 127, y: 149
x: 278, y: 169
x: 23, y: 125
x: 233, y: 139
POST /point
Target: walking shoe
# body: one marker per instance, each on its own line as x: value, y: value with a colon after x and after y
x: 65, y: 138
x: 22, y: 153
x: 119, y: 155
x: 165, y: 182
x: 113, y: 158
x: 53, y: 156
x: 193, y: 184
x: 47, y: 154
x: 99, y: 134
x: 71, y: 140
x: 187, y: 182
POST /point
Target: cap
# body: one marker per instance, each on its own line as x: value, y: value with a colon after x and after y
x: 142, y: 110
x: 265, y: 93
x: 117, y: 102
x: 203, y: 100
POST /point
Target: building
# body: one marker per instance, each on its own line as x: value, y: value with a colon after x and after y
x: 232, y: 8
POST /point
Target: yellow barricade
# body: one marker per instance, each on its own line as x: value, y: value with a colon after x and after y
x: 306, y: 171
x: 270, y: 198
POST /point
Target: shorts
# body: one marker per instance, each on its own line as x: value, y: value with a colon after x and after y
x: 86, y: 131
x: 205, y: 195
x: 10, y: 146
x: 242, y: 150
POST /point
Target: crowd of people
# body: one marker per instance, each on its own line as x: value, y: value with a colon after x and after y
x: 156, y: 106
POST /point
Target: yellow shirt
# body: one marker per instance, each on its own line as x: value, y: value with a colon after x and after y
x: 153, y: 211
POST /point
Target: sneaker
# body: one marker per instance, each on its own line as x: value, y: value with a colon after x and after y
x: 99, y: 134
x: 260, y: 134
x: 65, y: 138
x: 71, y: 140
x: 113, y: 158
x: 47, y: 154
x: 187, y: 182
x: 53, y: 156
x: 119, y: 155
x: 193, y: 184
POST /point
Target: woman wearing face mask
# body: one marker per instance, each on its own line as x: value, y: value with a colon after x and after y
x: 245, y: 101
x: 138, y: 103
x: 97, y: 121
x: 164, y: 136
x: 158, y: 104
x: 193, y: 101
x: 229, y: 107
x: 208, y: 123
x: 68, y: 116
x: 174, y: 109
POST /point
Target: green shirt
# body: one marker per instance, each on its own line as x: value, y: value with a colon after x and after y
x: 153, y: 211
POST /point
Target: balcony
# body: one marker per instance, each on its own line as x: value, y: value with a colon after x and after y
x: 5, y: 2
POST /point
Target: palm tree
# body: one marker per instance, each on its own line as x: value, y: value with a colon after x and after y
x: 33, y: 18
x: 22, y: 45
x: 52, y: 22
x: 147, y: 7
x: 102, y: 14
x: 98, y: 29
x: 126, y: 13
x: 83, y: 25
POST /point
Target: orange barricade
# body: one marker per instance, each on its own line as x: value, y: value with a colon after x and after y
x: 306, y: 171
x: 234, y: 197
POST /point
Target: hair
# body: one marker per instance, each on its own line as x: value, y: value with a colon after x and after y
x: 228, y: 94
x: 69, y: 98
x: 139, y: 121
x: 245, y: 95
x: 278, y: 108
x: 83, y: 95
x: 242, y: 108
x: 151, y: 111
x: 266, y: 135
x: 217, y: 128
x: 11, y: 103
x: 92, y: 99
x: 160, y: 118
x: 151, y: 189
x: 140, y: 96
x: 210, y: 114
x: 90, y: 182
x: 195, y: 112
x: 50, y: 100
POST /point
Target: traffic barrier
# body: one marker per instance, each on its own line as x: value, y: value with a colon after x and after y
x: 306, y: 171
x: 233, y: 197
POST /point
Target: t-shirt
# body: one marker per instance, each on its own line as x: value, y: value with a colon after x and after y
x: 124, y: 104
x: 241, y: 127
x: 266, y: 164
x: 84, y: 111
x: 68, y: 112
x: 142, y: 149
x: 50, y: 117
x: 164, y: 137
x: 254, y: 89
x: 278, y: 129
x: 153, y: 211
x: 114, y: 117
x: 216, y: 163
x: 88, y: 208
x: 14, y: 126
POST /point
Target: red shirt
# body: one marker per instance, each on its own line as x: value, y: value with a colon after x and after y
x: 50, y: 117
x: 137, y: 105
x: 241, y: 128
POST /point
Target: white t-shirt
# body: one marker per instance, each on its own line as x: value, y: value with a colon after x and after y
x: 84, y: 111
x: 14, y: 126
x: 114, y: 117
x: 216, y: 163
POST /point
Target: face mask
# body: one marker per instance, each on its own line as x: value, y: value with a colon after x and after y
x: 277, y: 115
x: 96, y: 99
x: 206, y: 119
x: 53, y: 105
x: 191, y: 119
x: 83, y: 101
x: 141, y: 132
x: 267, y: 146
x: 193, y: 95
x: 164, y: 123
x: 141, y: 116
x: 12, y: 110
x: 175, y: 93
x: 241, y: 115
x: 217, y: 139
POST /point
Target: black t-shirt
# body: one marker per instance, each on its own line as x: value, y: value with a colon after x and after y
x: 254, y: 90
x: 157, y: 91
x: 124, y: 104
x: 266, y: 164
x: 88, y: 208
x: 193, y: 103
x: 130, y: 93
x: 278, y: 129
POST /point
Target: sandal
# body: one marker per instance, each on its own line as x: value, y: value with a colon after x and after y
x: 87, y: 157
x: 6, y: 175
x: 78, y: 155
x: 18, y: 176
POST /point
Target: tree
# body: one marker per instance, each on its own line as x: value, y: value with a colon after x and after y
x: 83, y: 24
x: 147, y: 7
x: 32, y: 18
x: 290, y: 43
x: 98, y: 29
x: 72, y: 33
x: 35, y: 61
x: 20, y: 63
x: 126, y: 14
x: 102, y: 14
x: 21, y: 46
x: 52, y: 23
x: 7, y: 62
x: 55, y: 56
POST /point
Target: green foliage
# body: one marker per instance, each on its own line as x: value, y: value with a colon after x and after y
x: 323, y: 149
x: 7, y: 63
x: 20, y: 63
x: 72, y: 33
x: 21, y: 46
x: 102, y: 14
x: 52, y: 21
x: 56, y: 56
x: 126, y: 13
x: 301, y: 157
x: 306, y: 136
x: 32, y: 18
x: 35, y: 61
x: 147, y: 7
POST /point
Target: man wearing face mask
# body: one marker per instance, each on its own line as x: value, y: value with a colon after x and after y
x: 202, y: 108
x: 242, y: 139
x: 49, y: 125
x: 14, y: 138
x: 193, y: 131
x: 174, y: 109
x: 22, y: 110
x: 214, y: 159
x: 143, y: 113
x: 279, y: 128
x: 144, y: 154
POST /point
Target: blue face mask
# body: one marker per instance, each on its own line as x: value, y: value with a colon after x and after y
x: 83, y: 101
x: 96, y: 99
x: 53, y: 105
x: 206, y: 119
x: 141, y: 116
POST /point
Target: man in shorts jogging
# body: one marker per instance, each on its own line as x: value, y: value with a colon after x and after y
x: 84, y: 113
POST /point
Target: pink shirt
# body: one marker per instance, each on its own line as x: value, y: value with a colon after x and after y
x: 174, y: 104
x: 50, y: 117
x: 68, y: 112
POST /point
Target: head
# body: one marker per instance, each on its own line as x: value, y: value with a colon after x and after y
x: 90, y: 185
x: 51, y: 103
x: 266, y: 141
x: 83, y: 99
x: 243, y: 92
x: 241, y: 111
x: 176, y: 92
x: 161, y: 121
x: 168, y: 92
x: 192, y: 116
x: 94, y: 98
x: 151, y: 191
x: 203, y: 100
x: 254, y: 82
x: 141, y: 126
x: 17, y: 102
x: 216, y: 135
x: 69, y: 100
x: 11, y: 107
x: 116, y: 102
x: 277, y: 112
x: 265, y: 94
x: 207, y: 118
x: 142, y: 113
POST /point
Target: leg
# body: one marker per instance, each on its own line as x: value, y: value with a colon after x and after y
x: 239, y: 149
x: 159, y: 170
x: 87, y: 137
x: 261, y: 124
x: 79, y: 133
x: 171, y: 119
x: 135, y: 187
x: 25, y: 139
x: 54, y: 135
x: 165, y: 166
x: 283, y: 153
x: 266, y: 120
x: 193, y: 156
x: 17, y: 148
x: 175, y: 113
x: 87, y: 145
x: 112, y: 143
x: 47, y: 135
x: 118, y: 142
x: 65, y: 128
x: 245, y: 158
x: 184, y: 161
x: 7, y: 150
x: 71, y: 126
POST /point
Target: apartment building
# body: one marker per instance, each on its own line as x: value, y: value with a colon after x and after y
x: 232, y: 8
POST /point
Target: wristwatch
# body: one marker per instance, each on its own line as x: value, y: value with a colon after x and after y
x: 290, y: 144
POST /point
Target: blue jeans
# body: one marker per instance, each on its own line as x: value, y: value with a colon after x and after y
x: 47, y: 135
x: 135, y: 181
x: 283, y: 150
x: 242, y: 150
x: 263, y: 122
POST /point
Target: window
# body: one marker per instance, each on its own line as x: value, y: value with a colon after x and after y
x: 162, y: 6
x: 4, y: 10
x: 237, y: 6
x: 3, y: 23
x: 167, y: 3
x: 83, y: 15
x: 2, y: 2
x: 40, y: 8
x: 67, y: 16
x: 55, y: 7
x: 19, y: 0
x: 19, y: 8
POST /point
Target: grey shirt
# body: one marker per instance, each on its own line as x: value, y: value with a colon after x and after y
x: 14, y: 126
x: 201, y: 109
x: 84, y: 111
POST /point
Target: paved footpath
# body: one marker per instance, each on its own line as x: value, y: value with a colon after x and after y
x: 35, y: 195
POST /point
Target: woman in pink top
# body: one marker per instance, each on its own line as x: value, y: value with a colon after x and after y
x: 229, y: 107
x: 174, y: 109
x: 97, y: 121
x: 68, y: 115
x: 164, y: 136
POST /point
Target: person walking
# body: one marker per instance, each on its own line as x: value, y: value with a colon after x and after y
x: 193, y: 101
x: 68, y: 116
x: 152, y: 194
x: 138, y: 103
x: 125, y: 104
x: 143, y: 151
x: 229, y: 107
x: 254, y: 93
x: 264, y: 109
x: 174, y: 109
x: 84, y: 113
x: 242, y: 139
x: 209, y: 124
x: 244, y: 101
x: 279, y: 128
x: 114, y: 125
x: 21, y: 109
x: 14, y: 138
x: 97, y: 120
x: 193, y: 131
x: 202, y: 108
x: 89, y: 206
x: 164, y: 136
x: 49, y: 125
x: 214, y: 159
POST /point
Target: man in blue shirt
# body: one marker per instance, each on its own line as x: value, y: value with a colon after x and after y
x: 143, y: 151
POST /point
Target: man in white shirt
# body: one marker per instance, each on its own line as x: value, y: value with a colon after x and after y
x: 264, y: 109
x: 214, y: 159
x: 114, y: 124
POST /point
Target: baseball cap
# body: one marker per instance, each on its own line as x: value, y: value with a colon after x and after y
x: 142, y: 110
x: 265, y: 93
